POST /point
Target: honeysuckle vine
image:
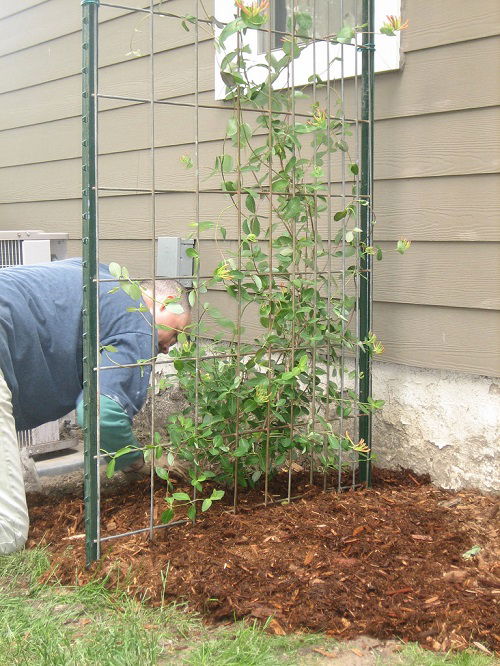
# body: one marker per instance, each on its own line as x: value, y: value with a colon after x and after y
x: 278, y: 396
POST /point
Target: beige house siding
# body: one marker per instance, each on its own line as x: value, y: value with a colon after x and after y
x: 437, y: 153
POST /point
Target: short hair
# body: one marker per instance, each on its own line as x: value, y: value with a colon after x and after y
x: 168, y: 289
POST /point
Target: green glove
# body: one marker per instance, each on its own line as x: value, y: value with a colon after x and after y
x: 116, y: 431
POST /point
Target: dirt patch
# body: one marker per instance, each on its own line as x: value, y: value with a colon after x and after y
x: 362, y: 651
x: 385, y: 562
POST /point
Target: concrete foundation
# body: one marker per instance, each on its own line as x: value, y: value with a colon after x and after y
x: 446, y: 424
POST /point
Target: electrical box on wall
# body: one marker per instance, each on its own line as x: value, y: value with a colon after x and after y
x: 172, y: 260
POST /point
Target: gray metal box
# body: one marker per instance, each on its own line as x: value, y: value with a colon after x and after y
x: 172, y: 260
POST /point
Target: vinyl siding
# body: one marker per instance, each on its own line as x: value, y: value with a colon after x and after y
x: 436, y: 159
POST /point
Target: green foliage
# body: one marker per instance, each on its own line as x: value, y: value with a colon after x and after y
x: 403, y: 245
x: 468, y: 555
x: 129, y: 286
x: 260, y: 406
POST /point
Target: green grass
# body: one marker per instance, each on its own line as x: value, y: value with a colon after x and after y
x: 249, y: 645
x: 51, y: 625
x: 413, y: 655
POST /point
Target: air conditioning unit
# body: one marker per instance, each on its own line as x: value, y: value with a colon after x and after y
x: 35, y: 247
x: 31, y: 247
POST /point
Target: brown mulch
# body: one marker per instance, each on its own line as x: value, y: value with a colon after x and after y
x: 386, y: 562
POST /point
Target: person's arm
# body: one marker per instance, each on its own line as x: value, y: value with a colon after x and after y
x: 116, y: 430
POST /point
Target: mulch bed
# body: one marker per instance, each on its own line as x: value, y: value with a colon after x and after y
x: 386, y: 562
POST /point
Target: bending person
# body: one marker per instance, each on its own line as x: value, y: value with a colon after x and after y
x: 41, y: 365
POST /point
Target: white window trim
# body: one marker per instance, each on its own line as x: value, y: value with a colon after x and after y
x: 387, y: 52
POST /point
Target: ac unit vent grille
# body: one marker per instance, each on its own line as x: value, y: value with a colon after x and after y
x: 11, y: 253
x: 25, y: 438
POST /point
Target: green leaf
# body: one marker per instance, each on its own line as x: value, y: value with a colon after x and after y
x: 141, y: 308
x: 291, y: 374
x: 167, y: 516
x: 181, y: 497
x: 340, y: 215
x: 109, y: 348
x: 471, y: 553
x: 191, y: 252
x: 132, y: 289
x: 230, y: 29
x: 290, y: 164
x: 223, y: 321
x: 345, y: 35
x: 207, y: 503
x: 304, y: 23
x: 191, y: 512
x: 245, y: 134
x: 187, y: 161
x: 174, y: 308
x: 255, y: 226
x: 232, y: 127
x: 354, y: 168
x: 123, y: 451
x: 217, y: 495
x: 280, y: 185
x: 162, y: 473
x: 254, y: 21
x: 290, y: 47
x: 387, y: 30
x: 258, y: 282
x: 203, y: 226
x: 170, y: 458
x: 110, y: 468
x: 115, y: 269
x: 224, y: 163
x: 231, y: 78
x: 302, y: 128
x: 317, y: 172
x: 292, y: 208
x: 250, y: 203
x: 403, y: 245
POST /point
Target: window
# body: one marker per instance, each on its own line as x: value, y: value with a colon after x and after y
x: 330, y: 17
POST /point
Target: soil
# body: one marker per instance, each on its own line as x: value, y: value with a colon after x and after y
x: 385, y: 562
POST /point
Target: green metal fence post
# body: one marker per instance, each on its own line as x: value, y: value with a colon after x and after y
x: 366, y: 216
x: 90, y: 274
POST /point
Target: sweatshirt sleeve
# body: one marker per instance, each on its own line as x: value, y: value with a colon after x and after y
x: 128, y: 386
x: 115, y: 430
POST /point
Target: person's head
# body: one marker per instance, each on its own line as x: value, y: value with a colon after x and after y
x: 165, y: 292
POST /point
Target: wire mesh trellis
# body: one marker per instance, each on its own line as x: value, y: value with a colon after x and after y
x: 294, y: 263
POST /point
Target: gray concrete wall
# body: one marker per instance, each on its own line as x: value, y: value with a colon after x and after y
x: 446, y: 424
